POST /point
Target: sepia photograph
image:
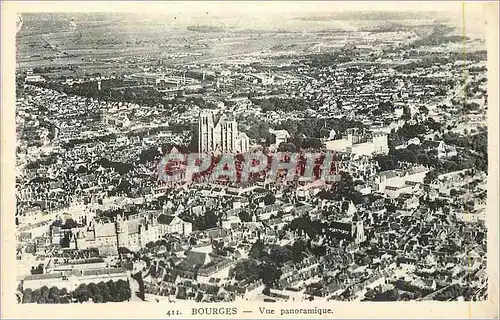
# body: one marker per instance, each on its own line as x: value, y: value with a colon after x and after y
x: 265, y: 159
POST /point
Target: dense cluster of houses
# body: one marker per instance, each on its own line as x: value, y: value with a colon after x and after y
x: 90, y: 206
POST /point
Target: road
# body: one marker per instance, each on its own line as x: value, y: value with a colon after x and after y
x: 134, y: 287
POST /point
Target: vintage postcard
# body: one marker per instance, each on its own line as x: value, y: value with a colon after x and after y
x: 176, y: 160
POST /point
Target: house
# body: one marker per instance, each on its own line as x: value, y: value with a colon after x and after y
x: 334, y: 289
x: 173, y: 224
x: 414, y: 141
x: 281, y: 136
x: 388, y: 178
x: 198, y: 258
x: 443, y: 150
x: 408, y: 201
x: 395, y: 182
x: 424, y: 284
x: 416, y: 174
x: 360, y: 142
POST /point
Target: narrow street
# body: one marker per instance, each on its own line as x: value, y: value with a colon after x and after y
x: 134, y: 287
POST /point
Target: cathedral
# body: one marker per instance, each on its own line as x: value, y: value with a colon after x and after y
x: 219, y: 132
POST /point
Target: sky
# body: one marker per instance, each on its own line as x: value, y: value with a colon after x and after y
x: 251, y: 7
x: 244, y: 7
x: 266, y: 14
x: 474, y: 10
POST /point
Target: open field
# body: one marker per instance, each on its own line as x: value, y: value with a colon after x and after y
x: 85, y: 40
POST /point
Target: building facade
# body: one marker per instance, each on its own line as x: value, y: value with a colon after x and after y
x: 360, y: 143
x: 133, y: 233
x: 219, y: 132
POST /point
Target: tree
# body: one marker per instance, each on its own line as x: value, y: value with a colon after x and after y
x: 303, y: 224
x: 269, y: 199
x: 430, y: 176
x: 92, y: 287
x: 45, y: 292
x: 147, y: 260
x: 245, y: 216
x: 390, y: 207
x: 257, y: 251
x: 98, y: 298
x: 82, y: 293
x: 104, y: 289
x: 325, y: 194
x: 206, y: 221
x: 279, y: 255
x: 287, y: 147
x: 54, y: 295
x: 270, y: 273
x: 266, y: 291
x: 386, y: 162
x: 246, y: 269
x: 344, y: 188
x: 69, y: 224
x: 124, y: 250
x: 36, y: 295
x: 27, y: 296
x: 123, y: 291
x: 423, y: 109
x: 453, y: 192
x: 113, y: 290
x: 390, y: 295
x: 65, y: 299
x: 298, y: 249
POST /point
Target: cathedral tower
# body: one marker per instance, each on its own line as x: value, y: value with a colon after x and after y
x: 205, y: 131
